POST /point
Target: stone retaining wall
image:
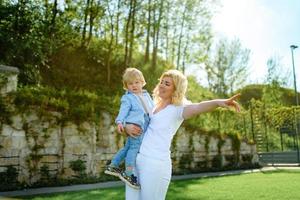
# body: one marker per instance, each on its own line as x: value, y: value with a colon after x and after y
x: 33, y: 140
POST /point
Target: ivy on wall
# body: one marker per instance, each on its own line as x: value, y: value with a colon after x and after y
x: 76, y: 106
x: 3, y: 80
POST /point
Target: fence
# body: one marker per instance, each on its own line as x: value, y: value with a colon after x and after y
x: 273, y: 130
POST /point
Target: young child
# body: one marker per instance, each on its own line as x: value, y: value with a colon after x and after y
x: 136, y: 105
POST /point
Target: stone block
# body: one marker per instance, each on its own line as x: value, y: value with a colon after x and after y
x: 6, y: 130
x: 106, y: 119
x: 30, y: 117
x: 213, y: 144
x: 18, y: 133
x: 70, y: 129
x: 10, y: 74
x: 17, y: 122
x: 50, y: 159
x: 5, y: 161
x: 5, y: 142
x: 18, y: 142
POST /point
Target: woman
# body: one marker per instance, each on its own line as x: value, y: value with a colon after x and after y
x: 154, y: 158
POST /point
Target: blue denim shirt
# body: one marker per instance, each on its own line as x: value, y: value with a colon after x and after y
x: 132, y: 110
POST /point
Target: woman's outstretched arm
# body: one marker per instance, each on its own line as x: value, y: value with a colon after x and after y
x: 207, y: 106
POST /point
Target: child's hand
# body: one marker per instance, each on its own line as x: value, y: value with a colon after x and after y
x: 120, y: 128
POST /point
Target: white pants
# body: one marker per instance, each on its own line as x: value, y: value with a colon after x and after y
x: 154, y: 176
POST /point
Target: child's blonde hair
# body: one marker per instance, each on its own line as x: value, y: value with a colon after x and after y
x: 131, y: 74
x: 180, y: 85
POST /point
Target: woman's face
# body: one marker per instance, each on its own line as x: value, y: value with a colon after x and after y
x: 166, y: 88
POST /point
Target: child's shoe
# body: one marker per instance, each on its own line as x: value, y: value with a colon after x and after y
x: 114, y: 171
x: 130, y: 180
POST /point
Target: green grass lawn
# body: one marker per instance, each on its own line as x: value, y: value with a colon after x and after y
x: 273, y: 185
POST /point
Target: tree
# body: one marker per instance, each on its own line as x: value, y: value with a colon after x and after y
x: 130, y: 32
x: 99, y: 36
x: 22, y: 31
x: 156, y: 31
x: 272, y: 93
x: 189, y: 31
x: 148, y: 29
x: 227, y: 67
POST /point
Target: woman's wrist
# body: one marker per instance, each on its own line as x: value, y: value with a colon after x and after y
x: 218, y: 102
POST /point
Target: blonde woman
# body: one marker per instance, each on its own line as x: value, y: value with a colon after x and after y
x: 154, y: 159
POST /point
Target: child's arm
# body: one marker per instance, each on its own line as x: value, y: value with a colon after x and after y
x: 207, y: 106
x: 123, y: 112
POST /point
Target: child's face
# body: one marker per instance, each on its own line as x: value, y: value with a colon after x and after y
x: 135, y: 86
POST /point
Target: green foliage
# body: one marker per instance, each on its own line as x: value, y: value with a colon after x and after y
x: 9, y: 178
x: 221, y: 142
x: 273, y: 91
x: 246, y: 160
x: 3, y: 80
x: 44, y: 171
x: 83, y: 70
x: 197, y: 93
x: 236, y: 142
x: 30, y: 34
x: 5, y: 111
x: 256, y: 92
x: 221, y: 123
x: 35, y: 158
x: 80, y: 45
x: 216, y: 162
x: 227, y: 67
x: 268, y: 121
x: 77, y: 106
x: 78, y: 166
x: 243, y: 186
x: 233, y: 161
x: 250, y: 92
x: 185, y: 163
x: 11, y: 175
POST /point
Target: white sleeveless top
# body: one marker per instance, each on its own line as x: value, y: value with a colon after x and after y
x: 159, y: 134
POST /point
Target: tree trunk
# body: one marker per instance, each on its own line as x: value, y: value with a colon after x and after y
x: 131, y: 42
x: 185, y: 52
x: 18, y: 18
x: 127, y: 34
x: 167, y: 31
x: 110, y: 47
x: 46, y: 14
x: 118, y: 21
x: 93, y: 13
x: 180, y: 38
x: 156, y: 35
x: 53, y: 19
x: 147, y: 50
x: 86, y: 13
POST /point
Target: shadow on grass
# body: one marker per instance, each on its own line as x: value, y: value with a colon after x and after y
x: 103, y: 194
x: 278, y: 170
x: 179, y: 189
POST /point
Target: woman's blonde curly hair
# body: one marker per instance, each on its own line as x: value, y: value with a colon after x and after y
x: 180, y: 83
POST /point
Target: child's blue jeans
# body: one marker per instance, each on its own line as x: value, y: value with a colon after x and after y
x: 130, y: 150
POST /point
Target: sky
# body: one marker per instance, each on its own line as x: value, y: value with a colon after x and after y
x: 267, y: 28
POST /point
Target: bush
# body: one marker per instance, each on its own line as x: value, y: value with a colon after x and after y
x: 75, y: 106
x: 78, y: 166
x: 9, y: 178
